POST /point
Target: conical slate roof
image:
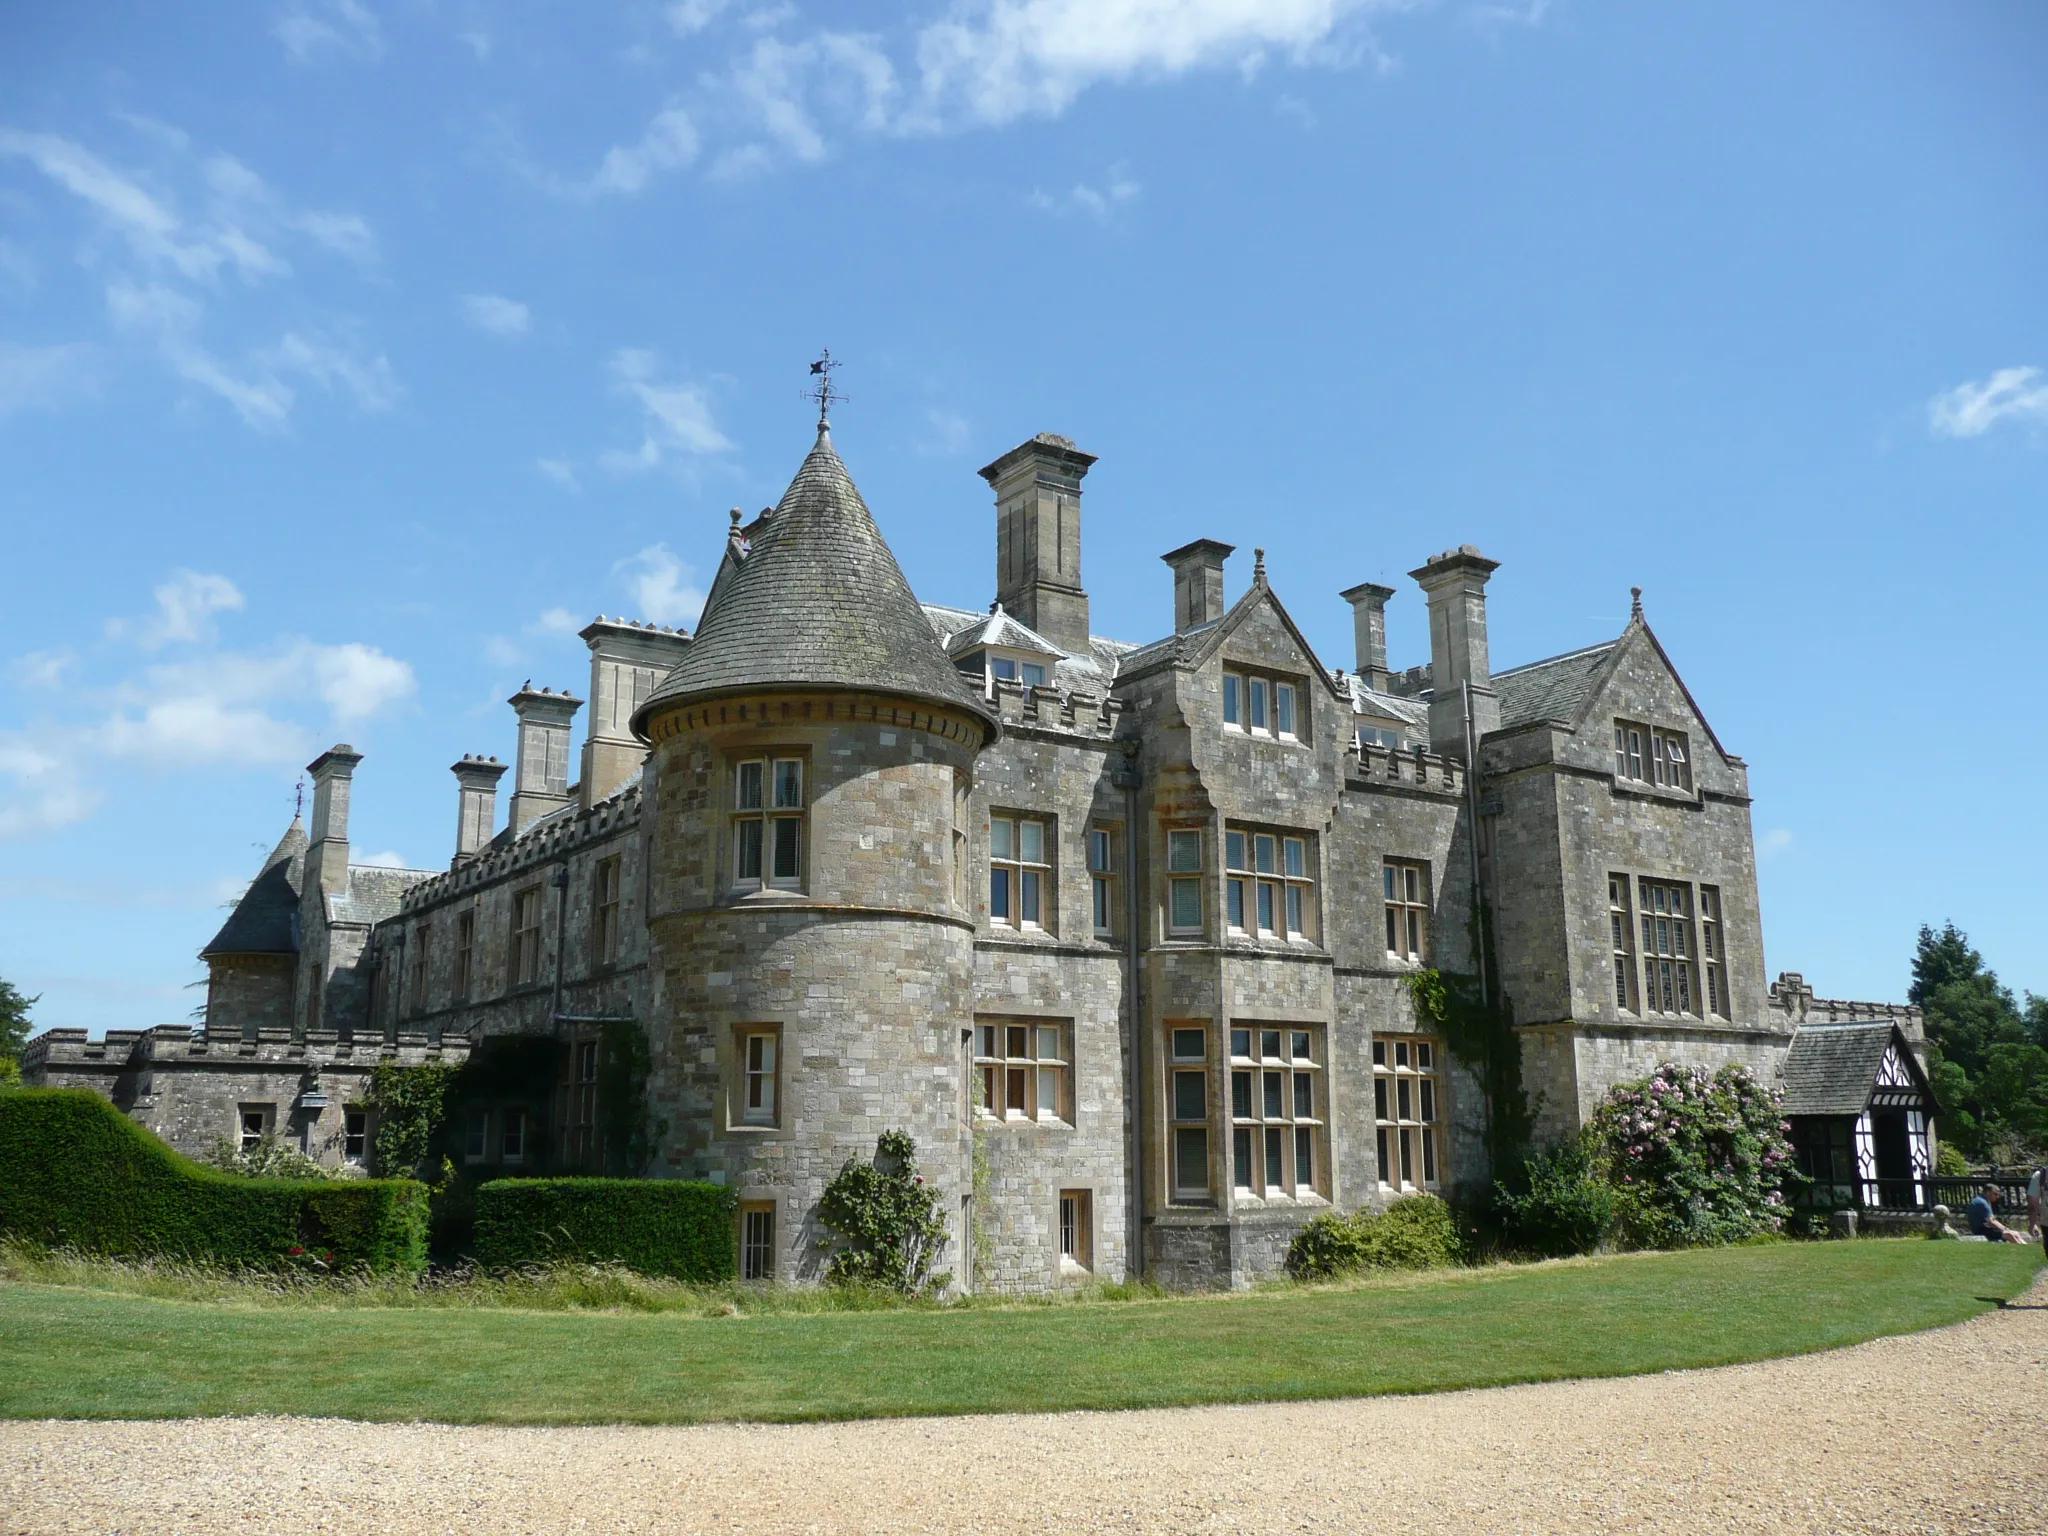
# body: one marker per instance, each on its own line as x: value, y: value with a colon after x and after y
x: 818, y: 602
x: 265, y: 920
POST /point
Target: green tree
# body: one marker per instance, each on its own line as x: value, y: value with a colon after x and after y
x: 13, y: 1030
x: 1987, y: 1056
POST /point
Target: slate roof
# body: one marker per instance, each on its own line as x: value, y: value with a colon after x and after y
x: 374, y: 893
x: 1832, y: 1068
x: 999, y: 629
x: 1091, y: 672
x: 265, y: 920
x: 1552, y: 689
x: 1391, y: 706
x: 819, y: 601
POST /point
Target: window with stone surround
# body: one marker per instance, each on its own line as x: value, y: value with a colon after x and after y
x: 1188, y: 1104
x: 757, y: 1085
x: 1407, y: 1097
x: 1714, y: 952
x: 476, y: 1136
x: 768, y: 822
x: 1184, y: 880
x: 253, y: 1122
x: 355, y: 1134
x: 465, y: 953
x: 422, y: 950
x: 1021, y: 893
x: 1277, y: 1097
x: 1652, y: 755
x: 1025, y: 1070
x: 1621, y: 931
x: 757, y: 1240
x: 1404, y: 889
x: 583, y: 1102
x: 1262, y: 706
x: 512, y: 1136
x: 1077, y: 1229
x: 1102, y: 878
x: 1269, y: 889
x: 604, y: 912
x: 1669, y: 953
x: 526, y: 936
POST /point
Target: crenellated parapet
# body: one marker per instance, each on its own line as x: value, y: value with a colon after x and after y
x: 550, y: 841
x: 1371, y: 766
x: 1792, y: 1004
x: 63, y: 1051
x: 1057, y: 711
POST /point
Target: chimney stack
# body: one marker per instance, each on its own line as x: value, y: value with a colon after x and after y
x: 627, y: 662
x: 476, y: 815
x: 540, y: 783
x: 1197, y: 583
x: 333, y: 774
x: 1368, y: 603
x: 1038, y: 538
x: 1456, y: 584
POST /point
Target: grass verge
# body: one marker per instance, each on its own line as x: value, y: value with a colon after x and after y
x: 71, y: 1352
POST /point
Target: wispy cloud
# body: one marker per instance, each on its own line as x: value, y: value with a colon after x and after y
x: 1773, y: 843
x: 675, y: 418
x: 343, y: 28
x: 1971, y: 410
x: 46, y: 378
x: 495, y: 315
x: 946, y: 433
x: 557, y: 621
x: 1089, y: 201
x: 668, y: 144
x: 663, y: 588
x: 185, y: 606
x: 562, y: 473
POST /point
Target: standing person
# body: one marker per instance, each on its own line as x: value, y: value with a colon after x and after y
x: 1984, y: 1218
x: 2037, y: 1191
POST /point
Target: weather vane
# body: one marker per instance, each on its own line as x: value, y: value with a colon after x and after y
x: 822, y: 391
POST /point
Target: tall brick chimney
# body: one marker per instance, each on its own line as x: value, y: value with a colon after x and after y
x: 540, y: 780
x: 1038, y: 538
x: 1368, y: 602
x: 476, y: 813
x: 1197, y: 583
x: 1456, y: 584
x: 333, y: 773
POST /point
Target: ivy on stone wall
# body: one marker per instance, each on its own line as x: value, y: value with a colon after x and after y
x: 885, y: 1222
x: 1480, y: 1032
x: 626, y: 1128
x: 411, y: 1102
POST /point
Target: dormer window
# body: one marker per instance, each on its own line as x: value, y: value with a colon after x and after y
x: 1648, y: 755
x: 1260, y: 706
x: 1010, y: 669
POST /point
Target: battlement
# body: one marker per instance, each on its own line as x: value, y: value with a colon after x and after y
x: 553, y: 839
x: 1793, y: 1000
x: 169, y: 1044
x: 1368, y: 765
x: 1052, y: 709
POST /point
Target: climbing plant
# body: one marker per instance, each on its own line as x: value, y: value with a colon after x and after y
x: 1478, y: 1028
x: 625, y: 1126
x: 411, y: 1102
x: 884, y: 1221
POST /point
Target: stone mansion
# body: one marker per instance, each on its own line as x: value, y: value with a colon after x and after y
x: 1121, y: 933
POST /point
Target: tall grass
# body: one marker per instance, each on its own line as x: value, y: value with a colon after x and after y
x: 561, y: 1286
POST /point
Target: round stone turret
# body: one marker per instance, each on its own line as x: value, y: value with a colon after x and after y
x: 813, y: 752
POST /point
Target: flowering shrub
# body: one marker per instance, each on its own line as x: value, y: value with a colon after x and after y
x: 1694, y: 1159
x: 1561, y: 1206
x: 885, y: 1222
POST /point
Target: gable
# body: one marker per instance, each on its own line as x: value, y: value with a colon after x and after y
x: 1258, y: 631
x: 1635, y: 681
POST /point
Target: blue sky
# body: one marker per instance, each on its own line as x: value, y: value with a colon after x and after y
x: 353, y: 353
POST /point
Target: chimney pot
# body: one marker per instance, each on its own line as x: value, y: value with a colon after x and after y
x: 1368, y: 602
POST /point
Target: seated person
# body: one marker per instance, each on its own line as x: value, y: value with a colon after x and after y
x: 1984, y: 1219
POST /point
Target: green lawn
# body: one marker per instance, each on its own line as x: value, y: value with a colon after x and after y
x: 69, y: 1352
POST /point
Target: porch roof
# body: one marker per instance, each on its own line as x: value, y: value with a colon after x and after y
x: 1833, y: 1069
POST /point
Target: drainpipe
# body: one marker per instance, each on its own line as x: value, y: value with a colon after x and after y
x: 1126, y: 775
x: 560, y: 881
x: 1472, y: 810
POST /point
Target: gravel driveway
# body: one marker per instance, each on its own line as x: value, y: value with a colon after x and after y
x: 1944, y: 1431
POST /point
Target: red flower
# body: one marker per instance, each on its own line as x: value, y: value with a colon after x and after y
x: 297, y: 1251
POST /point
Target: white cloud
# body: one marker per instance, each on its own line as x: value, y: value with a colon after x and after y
x: 558, y: 621
x: 1098, y: 203
x: 335, y: 366
x: 185, y: 608
x: 387, y: 859
x: 948, y: 434
x: 495, y: 315
x: 676, y: 417
x: 148, y: 224
x: 500, y: 652
x: 345, y: 27
x: 562, y: 472
x: 1775, y: 841
x: 663, y: 587
x: 669, y: 144
x: 997, y: 60
x: 196, y: 731
x: 346, y: 234
x: 1971, y: 410
x: 692, y: 16
x: 44, y: 669
x: 46, y: 377
x: 778, y: 89
x: 40, y: 791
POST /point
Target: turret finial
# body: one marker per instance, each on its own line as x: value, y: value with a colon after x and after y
x: 822, y: 391
x: 1635, y: 604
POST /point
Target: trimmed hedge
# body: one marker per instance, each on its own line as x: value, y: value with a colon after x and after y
x: 1415, y: 1232
x: 668, y: 1227
x: 76, y: 1172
